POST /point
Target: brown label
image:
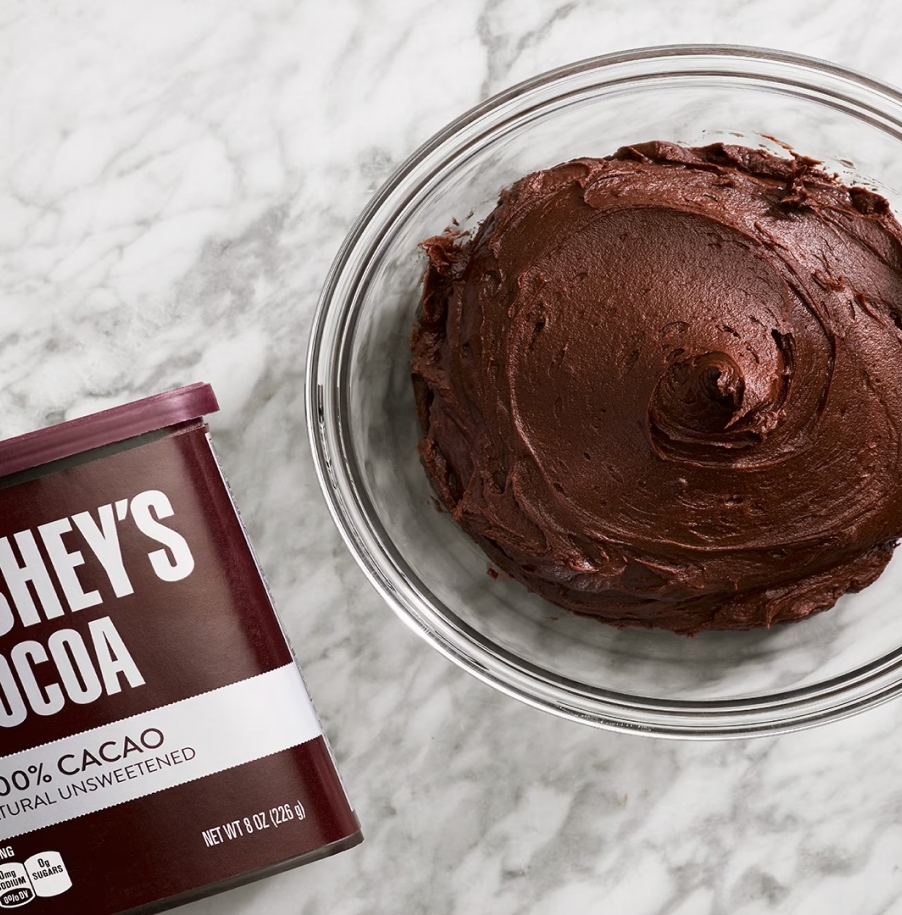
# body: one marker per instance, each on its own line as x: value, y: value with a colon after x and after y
x: 155, y: 736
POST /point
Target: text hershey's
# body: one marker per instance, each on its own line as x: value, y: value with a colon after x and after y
x: 39, y: 567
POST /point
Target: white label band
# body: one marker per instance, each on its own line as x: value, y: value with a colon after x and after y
x: 154, y: 751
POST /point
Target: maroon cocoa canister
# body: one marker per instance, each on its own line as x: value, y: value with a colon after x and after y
x: 157, y: 742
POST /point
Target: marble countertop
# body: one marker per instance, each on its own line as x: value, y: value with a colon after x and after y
x: 176, y: 178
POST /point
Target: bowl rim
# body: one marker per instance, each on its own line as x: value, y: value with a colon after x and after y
x: 781, y: 712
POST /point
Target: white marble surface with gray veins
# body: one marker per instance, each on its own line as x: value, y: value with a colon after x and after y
x: 175, y: 180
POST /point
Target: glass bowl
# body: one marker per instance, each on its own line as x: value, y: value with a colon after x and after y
x: 364, y: 430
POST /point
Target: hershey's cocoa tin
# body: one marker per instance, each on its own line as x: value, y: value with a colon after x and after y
x: 157, y: 742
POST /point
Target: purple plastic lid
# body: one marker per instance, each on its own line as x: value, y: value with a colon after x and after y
x: 106, y: 428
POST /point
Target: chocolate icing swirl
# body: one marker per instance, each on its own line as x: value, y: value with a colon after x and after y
x: 665, y: 388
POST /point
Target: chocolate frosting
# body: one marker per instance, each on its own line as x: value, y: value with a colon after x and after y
x: 665, y: 388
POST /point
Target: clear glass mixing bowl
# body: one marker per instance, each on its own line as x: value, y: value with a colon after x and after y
x: 364, y: 430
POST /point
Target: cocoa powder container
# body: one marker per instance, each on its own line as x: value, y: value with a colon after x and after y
x: 157, y: 742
